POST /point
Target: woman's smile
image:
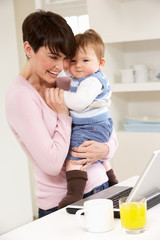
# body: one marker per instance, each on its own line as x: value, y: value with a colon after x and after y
x: 54, y: 72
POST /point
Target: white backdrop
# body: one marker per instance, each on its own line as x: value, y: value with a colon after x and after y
x: 15, y: 196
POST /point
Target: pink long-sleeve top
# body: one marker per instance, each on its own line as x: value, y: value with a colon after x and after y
x: 45, y: 137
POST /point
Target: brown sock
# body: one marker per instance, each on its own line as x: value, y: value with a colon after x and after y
x: 76, y: 182
x: 112, y: 180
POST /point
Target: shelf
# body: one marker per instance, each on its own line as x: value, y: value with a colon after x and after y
x: 135, y: 87
x: 126, y: 134
x: 131, y: 37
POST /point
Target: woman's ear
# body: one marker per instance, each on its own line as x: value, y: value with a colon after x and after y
x: 27, y: 49
x: 102, y: 63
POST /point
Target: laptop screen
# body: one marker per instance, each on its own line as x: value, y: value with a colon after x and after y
x: 149, y: 181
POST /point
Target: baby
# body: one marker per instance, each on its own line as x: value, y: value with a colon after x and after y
x: 88, y: 101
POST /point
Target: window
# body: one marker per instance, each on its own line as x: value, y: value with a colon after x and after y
x: 74, y: 11
x: 78, y: 23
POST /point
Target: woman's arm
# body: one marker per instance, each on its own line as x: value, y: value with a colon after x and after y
x: 92, y: 151
x: 112, y: 145
x: 44, y: 134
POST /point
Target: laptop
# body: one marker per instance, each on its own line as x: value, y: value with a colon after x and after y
x: 147, y: 185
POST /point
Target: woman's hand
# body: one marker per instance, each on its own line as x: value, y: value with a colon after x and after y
x: 90, y: 152
x: 54, y: 97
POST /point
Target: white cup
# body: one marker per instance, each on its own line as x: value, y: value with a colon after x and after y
x: 98, y: 215
x: 127, y: 75
x: 141, y: 73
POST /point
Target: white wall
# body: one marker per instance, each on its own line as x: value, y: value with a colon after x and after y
x: 15, y: 197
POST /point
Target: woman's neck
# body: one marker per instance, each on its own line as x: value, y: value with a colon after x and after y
x: 39, y: 84
x: 26, y: 71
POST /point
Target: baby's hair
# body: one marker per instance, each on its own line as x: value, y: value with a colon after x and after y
x: 91, y: 38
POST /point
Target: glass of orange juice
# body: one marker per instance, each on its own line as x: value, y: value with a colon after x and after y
x: 133, y: 214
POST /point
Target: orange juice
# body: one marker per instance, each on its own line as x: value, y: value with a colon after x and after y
x: 133, y: 215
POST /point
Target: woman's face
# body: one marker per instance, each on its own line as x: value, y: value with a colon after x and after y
x: 46, y: 66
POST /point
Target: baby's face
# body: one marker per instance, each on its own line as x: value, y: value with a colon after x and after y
x: 84, y: 63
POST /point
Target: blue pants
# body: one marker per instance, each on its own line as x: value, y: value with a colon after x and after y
x: 99, y: 132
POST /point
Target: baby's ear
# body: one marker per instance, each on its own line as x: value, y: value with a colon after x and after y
x: 102, y: 63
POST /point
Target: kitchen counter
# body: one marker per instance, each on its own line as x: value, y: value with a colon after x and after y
x: 64, y: 226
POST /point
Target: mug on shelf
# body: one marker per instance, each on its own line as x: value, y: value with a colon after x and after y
x: 141, y: 73
x: 98, y: 215
x: 158, y: 76
x: 127, y: 75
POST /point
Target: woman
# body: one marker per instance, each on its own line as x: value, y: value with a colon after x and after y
x: 44, y: 130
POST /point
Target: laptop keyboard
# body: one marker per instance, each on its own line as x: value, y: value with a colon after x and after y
x: 122, y: 194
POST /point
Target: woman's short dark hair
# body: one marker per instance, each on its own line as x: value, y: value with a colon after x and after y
x: 49, y: 29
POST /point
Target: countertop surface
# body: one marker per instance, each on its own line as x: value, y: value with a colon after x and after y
x: 61, y: 225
